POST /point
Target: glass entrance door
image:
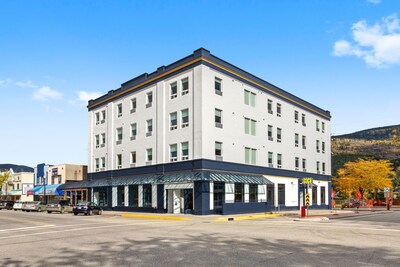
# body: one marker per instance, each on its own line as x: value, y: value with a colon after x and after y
x: 219, y: 196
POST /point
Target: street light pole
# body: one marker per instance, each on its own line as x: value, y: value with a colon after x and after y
x: 44, y: 188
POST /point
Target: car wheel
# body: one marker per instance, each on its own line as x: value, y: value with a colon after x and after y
x: 90, y: 212
x: 39, y: 210
x: 75, y: 213
x: 48, y: 212
x: 62, y: 210
x: 100, y: 212
x: 28, y: 211
x: 15, y: 210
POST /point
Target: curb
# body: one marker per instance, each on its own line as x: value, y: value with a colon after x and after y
x: 312, y: 219
x: 154, y: 217
x: 249, y: 217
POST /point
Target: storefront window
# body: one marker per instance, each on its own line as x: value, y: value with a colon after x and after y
x: 270, y: 194
x: 281, y: 194
x: 147, y: 195
x: 239, y: 192
x: 253, y: 192
x: 314, y: 195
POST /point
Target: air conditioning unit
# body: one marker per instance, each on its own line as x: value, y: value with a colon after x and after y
x: 270, y: 138
x: 304, y: 170
x: 119, y: 167
x: 278, y: 114
x: 304, y: 124
x: 133, y: 137
x: 279, y: 140
x: 270, y: 112
x: 218, y: 125
x: 119, y: 142
x: 148, y: 162
x: 296, y: 145
x: 102, y: 169
x: 148, y: 134
x: 304, y: 147
x: 174, y: 159
x: 185, y: 92
x: 296, y: 121
x: 102, y: 145
x: 103, y: 121
x: 219, y: 158
x: 279, y: 166
x: 133, y: 110
x: 119, y: 115
x: 185, y: 157
x: 318, y: 172
x: 133, y: 165
x: 184, y: 125
x: 218, y: 92
x: 297, y: 168
x: 173, y: 127
x: 174, y: 96
x: 97, y: 169
x: 97, y: 122
x: 97, y: 146
x: 270, y: 165
x: 148, y: 105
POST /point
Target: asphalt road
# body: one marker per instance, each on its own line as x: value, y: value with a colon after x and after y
x: 41, y: 239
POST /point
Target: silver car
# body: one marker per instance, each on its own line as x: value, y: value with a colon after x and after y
x: 60, y: 206
x: 34, y: 206
x: 18, y: 205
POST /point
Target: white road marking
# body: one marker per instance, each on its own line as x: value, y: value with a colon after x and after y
x: 26, y: 228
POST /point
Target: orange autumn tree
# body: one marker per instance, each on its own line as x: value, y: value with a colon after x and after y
x: 364, y: 175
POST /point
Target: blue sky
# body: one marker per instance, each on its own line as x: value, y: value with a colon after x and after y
x: 343, y: 56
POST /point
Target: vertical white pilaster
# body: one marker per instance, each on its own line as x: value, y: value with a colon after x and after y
x: 114, y: 196
x: 246, y: 193
x: 140, y: 196
x: 126, y: 191
x: 211, y: 195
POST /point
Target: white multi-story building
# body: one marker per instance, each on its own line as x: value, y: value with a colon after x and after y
x: 202, y: 135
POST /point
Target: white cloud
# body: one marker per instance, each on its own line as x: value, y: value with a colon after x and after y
x: 46, y: 93
x: 25, y: 84
x: 86, y: 96
x: 375, y: 2
x: 6, y: 81
x: 378, y: 45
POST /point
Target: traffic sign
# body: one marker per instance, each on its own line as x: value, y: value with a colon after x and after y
x: 307, y: 180
x: 307, y: 199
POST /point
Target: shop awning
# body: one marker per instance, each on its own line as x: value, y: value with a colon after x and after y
x: 15, y: 192
x: 146, y: 179
x: 49, y: 190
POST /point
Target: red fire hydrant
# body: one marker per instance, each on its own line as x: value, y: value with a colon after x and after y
x: 303, y: 211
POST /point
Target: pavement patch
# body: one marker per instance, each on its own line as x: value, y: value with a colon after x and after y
x: 154, y: 217
x: 247, y: 217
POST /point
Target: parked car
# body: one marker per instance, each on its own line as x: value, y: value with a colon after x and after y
x: 18, y: 205
x: 34, y: 206
x: 379, y: 203
x: 60, y: 206
x: 87, y: 208
x: 354, y: 203
x: 7, y: 204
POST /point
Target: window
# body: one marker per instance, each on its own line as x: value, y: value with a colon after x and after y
x: 173, y: 117
x: 119, y: 110
x: 323, y: 126
x: 270, y: 133
x: 103, y: 163
x: 103, y: 139
x: 314, y: 195
x: 303, y: 119
x: 239, y: 192
x: 149, y: 155
x: 317, y: 125
x: 323, y: 167
x: 323, y: 147
x: 279, y: 135
x: 296, y: 116
x: 173, y: 152
x: 149, y: 99
x: 218, y: 150
x: 281, y: 194
x: 317, y: 146
x: 133, y: 131
x: 278, y: 110
x: 249, y: 126
x: 149, y: 124
x: 133, y: 158
x: 174, y: 90
x: 119, y: 161
x: 323, y: 198
x: 270, y: 193
x: 249, y: 98
x: 103, y: 116
x: 250, y: 155
x: 120, y: 195
x: 185, y: 118
x: 318, y: 165
x: 133, y: 105
x: 253, y: 193
x: 303, y: 141
x: 296, y: 163
x: 97, y: 137
x: 147, y: 195
x: 218, y: 86
x: 185, y: 150
x: 97, y: 115
x: 296, y: 140
x: 304, y: 165
x: 119, y: 135
x: 269, y: 105
x: 97, y: 165
x: 185, y: 86
x: 218, y: 118
x: 279, y: 160
x: 270, y: 159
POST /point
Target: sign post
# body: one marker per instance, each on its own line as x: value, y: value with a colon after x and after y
x: 306, y: 183
x: 387, y: 195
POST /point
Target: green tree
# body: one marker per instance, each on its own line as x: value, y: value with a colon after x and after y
x: 4, y: 176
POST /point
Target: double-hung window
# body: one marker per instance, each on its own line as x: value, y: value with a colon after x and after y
x: 103, y: 163
x: 303, y: 141
x: 133, y: 158
x: 119, y: 110
x: 317, y: 125
x: 279, y: 135
x: 249, y: 126
x: 97, y: 141
x: 270, y: 159
x: 296, y: 163
x: 185, y: 86
x: 185, y: 118
x: 279, y: 160
x: 269, y: 106
x: 270, y: 137
x: 97, y: 166
x: 133, y: 131
x: 304, y: 164
x: 249, y: 98
x: 278, y: 110
x: 97, y: 115
x: 218, y: 86
x: 103, y: 140
x: 173, y: 152
x: 317, y: 146
x: 149, y: 127
x: 303, y: 119
x: 218, y: 118
x: 296, y: 139
x: 218, y: 150
x: 323, y: 147
x: 296, y: 116
x: 323, y: 167
x: 103, y: 116
x: 149, y: 156
x: 250, y: 155
x: 119, y: 161
x: 185, y: 150
x: 149, y: 99
x: 174, y: 90
x: 173, y: 121
x: 318, y: 165
x: 119, y: 135
x: 133, y: 105
x: 323, y: 127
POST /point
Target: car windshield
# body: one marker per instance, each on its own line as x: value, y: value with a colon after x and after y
x: 83, y: 203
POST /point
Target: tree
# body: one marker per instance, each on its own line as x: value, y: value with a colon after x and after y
x: 365, y: 176
x: 4, y: 176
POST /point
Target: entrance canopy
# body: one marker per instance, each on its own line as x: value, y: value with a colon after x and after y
x: 49, y: 190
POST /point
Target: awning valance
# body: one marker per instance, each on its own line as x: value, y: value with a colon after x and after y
x: 15, y: 192
x: 50, y: 190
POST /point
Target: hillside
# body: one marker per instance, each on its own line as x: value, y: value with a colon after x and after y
x: 16, y: 168
x: 376, y: 143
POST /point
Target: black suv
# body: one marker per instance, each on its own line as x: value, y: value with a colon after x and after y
x: 8, y: 204
x: 60, y: 206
